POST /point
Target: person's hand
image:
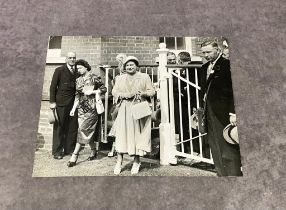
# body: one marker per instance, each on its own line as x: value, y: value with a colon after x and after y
x: 72, y: 112
x: 232, y: 120
x: 194, y: 121
x: 53, y: 105
x: 142, y: 94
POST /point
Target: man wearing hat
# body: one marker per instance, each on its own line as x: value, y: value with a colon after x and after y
x: 217, y: 98
x: 62, y: 95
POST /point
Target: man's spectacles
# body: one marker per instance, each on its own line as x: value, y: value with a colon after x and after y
x: 71, y: 57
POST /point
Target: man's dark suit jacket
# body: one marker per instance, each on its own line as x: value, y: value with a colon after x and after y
x: 62, y: 89
x: 220, y: 94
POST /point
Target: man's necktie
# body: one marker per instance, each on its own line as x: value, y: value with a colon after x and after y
x: 72, y: 69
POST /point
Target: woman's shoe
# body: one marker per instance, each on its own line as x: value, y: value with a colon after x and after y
x: 93, y: 155
x: 135, y: 168
x: 72, y: 163
x: 111, y: 154
x: 117, y: 169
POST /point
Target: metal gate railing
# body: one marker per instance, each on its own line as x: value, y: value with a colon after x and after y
x: 185, y: 89
x: 172, y: 123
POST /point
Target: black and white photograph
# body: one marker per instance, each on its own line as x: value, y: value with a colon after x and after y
x: 137, y: 106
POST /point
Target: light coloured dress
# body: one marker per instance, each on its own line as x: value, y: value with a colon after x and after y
x: 88, y: 119
x: 132, y: 136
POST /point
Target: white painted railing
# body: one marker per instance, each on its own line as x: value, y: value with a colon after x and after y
x: 170, y: 146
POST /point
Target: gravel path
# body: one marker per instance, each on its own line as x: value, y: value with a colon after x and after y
x: 46, y: 166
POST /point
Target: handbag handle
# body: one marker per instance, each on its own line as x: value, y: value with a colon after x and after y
x: 135, y: 98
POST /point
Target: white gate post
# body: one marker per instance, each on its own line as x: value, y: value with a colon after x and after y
x: 104, y: 140
x: 166, y: 152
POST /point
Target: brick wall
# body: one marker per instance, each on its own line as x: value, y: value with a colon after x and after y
x: 45, y: 130
x: 103, y: 50
x: 144, y: 48
x: 49, y: 71
x: 86, y: 47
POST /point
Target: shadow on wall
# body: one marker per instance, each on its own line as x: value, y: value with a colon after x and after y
x: 40, y: 141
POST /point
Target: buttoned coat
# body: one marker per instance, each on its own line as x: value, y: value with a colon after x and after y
x: 220, y: 94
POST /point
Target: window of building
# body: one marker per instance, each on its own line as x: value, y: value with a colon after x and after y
x: 55, y: 42
x: 54, y: 50
x: 173, y: 43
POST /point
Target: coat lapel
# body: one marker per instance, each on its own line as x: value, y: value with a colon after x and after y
x: 216, y: 69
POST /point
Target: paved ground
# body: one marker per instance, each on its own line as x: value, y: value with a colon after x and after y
x: 46, y: 166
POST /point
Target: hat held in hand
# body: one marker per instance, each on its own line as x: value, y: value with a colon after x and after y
x: 230, y: 134
x: 52, y: 116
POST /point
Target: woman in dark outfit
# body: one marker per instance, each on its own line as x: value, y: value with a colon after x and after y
x: 87, y: 86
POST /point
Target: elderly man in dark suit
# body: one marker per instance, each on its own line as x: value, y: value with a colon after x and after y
x: 62, y: 95
x: 217, y: 95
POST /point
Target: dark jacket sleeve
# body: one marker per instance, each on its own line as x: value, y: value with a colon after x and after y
x: 54, y: 85
x: 230, y: 89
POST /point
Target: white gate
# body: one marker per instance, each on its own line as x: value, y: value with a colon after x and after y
x: 181, y: 91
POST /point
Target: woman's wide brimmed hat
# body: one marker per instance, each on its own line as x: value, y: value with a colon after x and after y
x: 230, y: 134
x: 52, y: 116
x: 131, y: 58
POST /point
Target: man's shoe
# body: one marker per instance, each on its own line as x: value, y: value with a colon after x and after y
x: 58, y: 157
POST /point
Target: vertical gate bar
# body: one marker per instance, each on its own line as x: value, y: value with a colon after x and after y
x: 152, y: 75
x: 113, y: 78
x: 152, y: 99
x: 198, y: 105
x: 189, y: 110
x: 171, y: 102
x: 158, y: 76
x: 180, y: 112
x: 176, y: 43
x: 106, y: 106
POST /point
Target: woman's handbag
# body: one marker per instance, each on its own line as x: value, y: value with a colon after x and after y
x: 140, y: 110
x: 98, y: 103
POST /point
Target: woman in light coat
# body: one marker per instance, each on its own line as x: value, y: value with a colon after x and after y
x: 133, y: 137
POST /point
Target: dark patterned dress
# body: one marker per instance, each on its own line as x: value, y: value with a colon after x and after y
x: 88, y: 118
